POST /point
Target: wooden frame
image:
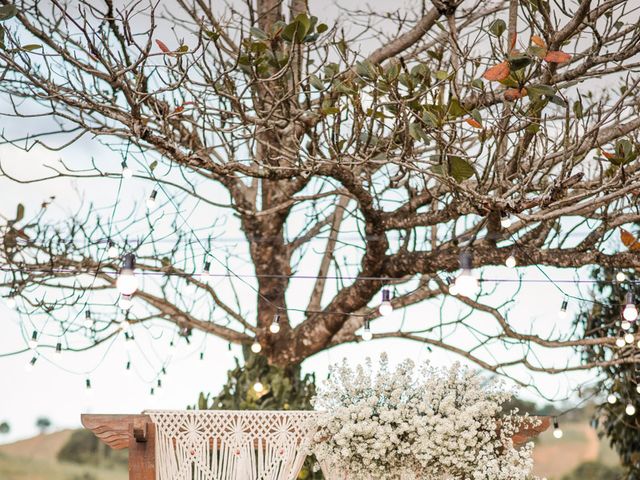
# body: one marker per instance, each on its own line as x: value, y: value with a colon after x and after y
x: 137, y: 433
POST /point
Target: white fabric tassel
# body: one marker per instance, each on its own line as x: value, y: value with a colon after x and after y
x: 231, y: 445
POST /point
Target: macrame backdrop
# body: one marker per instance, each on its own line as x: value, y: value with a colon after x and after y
x: 231, y: 445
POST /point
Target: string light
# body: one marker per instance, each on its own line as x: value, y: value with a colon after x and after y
x: 466, y: 282
x: 557, y: 431
x: 87, y: 384
x: 127, y: 367
x: 58, y: 347
x: 206, y: 271
x: 630, y: 410
x: 151, y: 201
x: 612, y: 399
x: 126, y: 171
x: 505, y: 220
x: 625, y: 325
x: 385, y: 307
x: 366, y: 334
x: 201, y: 355
x: 275, y: 325
x: 112, y: 250
x: 159, y: 383
x: 620, y: 277
x: 126, y: 302
x: 127, y: 281
x: 629, y: 338
x: 255, y: 346
x: 511, y: 262
x: 88, y: 322
x: 620, y: 342
x: 152, y: 391
x: 630, y: 311
x: 638, y: 388
x: 562, y: 314
x: 33, y: 341
x: 258, y: 387
x: 453, y: 290
x: 29, y: 366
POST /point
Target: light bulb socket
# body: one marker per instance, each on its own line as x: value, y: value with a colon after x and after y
x: 201, y: 355
x: 386, y: 295
x: 556, y: 425
x: 466, y: 261
x: 128, y: 367
x: 152, y: 391
x: 276, y: 318
x: 87, y: 383
x: 58, y: 347
x: 565, y: 304
x: 367, y: 325
x: 87, y: 314
x: 629, y: 300
x: 153, y: 195
x: 34, y: 336
x: 129, y: 262
x: 159, y: 383
x: 33, y: 361
x: 123, y: 164
x: 207, y: 266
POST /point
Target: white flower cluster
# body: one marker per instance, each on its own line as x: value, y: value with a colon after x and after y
x: 424, y: 422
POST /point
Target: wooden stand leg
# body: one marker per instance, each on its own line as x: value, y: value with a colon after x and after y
x: 142, y: 452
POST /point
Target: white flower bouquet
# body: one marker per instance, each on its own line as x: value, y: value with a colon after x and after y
x: 425, y: 422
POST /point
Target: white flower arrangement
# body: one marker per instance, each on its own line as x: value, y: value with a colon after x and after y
x: 425, y: 422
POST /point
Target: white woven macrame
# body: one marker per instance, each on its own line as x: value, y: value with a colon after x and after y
x: 231, y: 445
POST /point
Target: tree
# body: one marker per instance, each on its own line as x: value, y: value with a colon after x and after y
x: 497, y: 129
x: 43, y: 424
x: 5, y: 428
x: 621, y: 380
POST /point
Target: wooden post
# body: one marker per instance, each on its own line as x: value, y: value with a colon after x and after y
x: 142, y: 451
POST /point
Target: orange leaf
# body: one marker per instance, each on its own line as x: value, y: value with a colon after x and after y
x: 163, y: 46
x: 538, y: 41
x: 179, y: 109
x: 514, y: 93
x: 608, y: 155
x: 473, y: 122
x: 557, y: 56
x: 629, y: 240
x: 498, y: 72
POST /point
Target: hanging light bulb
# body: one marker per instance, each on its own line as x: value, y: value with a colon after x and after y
x: 58, y: 347
x: 87, y: 389
x: 29, y: 366
x: 88, y: 322
x: 511, y: 261
x: 159, y: 383
x: 629, y: 338
x: 258, y: 387
x: 563, y: 309
x: 625, y: 325
x: 275, y: 325
x: 255, y: 346
x: 151, y: 201
x: 385, y: 307
x: 612, y: 399
x: 505, y: 220
x: 453, y: 290
x: 630, y: 410
x: 630, y: 311
x: 621, y: 277
x: 366, y: 334
x: 126, y: 302
x: 11, y: 302
x: 127, y: 281
x: 127, y: 173
x: 557, y: 431
x: 466, y: 282
x: 33, y: 341
x: 620, y: 342
x: 201, y: 355
x: 638, y: 388
x: 152, y: 391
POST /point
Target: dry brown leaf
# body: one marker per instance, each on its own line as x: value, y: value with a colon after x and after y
x: 557, y: 56
x: 514, y: 93
x: 163, y: 46
x: 538, y: 41
x: 629, y: 240
x: 473, y: 122
x: 498, y: 72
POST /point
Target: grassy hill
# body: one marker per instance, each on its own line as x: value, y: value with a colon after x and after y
x: 36, y: 459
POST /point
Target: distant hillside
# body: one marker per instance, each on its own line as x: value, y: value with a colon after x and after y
x: 35, y: 459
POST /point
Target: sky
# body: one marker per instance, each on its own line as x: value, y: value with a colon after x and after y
x: 55, y: 388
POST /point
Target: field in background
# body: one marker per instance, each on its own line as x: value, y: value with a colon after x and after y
x: 35, y: 458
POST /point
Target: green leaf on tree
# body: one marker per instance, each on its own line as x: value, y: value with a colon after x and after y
x: 321, y: 28
x: 459, y: 169
x: 497, y: 27
x: 315, y: 82
x: 258, y: 33
x: 30, y: 47
x: 7, y: 12
x: 153, y: 165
